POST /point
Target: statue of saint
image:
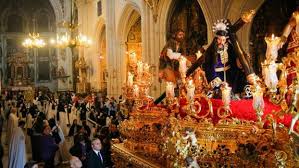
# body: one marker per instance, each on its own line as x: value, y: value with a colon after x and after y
x: 225, y: 60
x: 169, y: 58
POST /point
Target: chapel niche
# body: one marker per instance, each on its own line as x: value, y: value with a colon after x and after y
x: 134, y: 38
x: 271, y: 18
x: 17, y: 65
x: 188, y: 16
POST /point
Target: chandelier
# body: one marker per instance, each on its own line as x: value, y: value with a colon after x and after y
x: 33, y: 41
x: 71, y: 38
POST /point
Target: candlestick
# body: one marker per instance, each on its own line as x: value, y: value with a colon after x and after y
x: 258, y: 103
x: 273, y: 45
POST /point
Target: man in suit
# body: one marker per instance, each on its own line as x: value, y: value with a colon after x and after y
x: 95, y: 158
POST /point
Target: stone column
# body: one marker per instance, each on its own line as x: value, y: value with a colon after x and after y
x: 111, y: 47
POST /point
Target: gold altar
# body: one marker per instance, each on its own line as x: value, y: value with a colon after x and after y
x: 18, y: 70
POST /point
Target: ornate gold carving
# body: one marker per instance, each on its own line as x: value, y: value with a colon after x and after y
x: 18, y: 64
x: 82, y: 86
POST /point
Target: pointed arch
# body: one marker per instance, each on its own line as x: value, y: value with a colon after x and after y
x: 58, y: 9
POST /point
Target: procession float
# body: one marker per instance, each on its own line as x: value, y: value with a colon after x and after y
x: 192, y: 128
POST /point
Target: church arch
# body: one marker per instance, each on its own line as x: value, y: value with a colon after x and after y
x: 58, y: 9
x: 102, y: 56
x: 45, y: 20
x: 167, y: 7
x: 130, y: 16
x: 188, y: 16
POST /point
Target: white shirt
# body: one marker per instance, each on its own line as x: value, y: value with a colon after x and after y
x: 99, y: 154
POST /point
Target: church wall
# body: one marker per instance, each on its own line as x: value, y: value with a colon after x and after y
x: 25, y: 12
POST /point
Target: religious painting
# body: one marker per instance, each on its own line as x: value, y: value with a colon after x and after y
x: 188, y: 16
x: 270, y: 19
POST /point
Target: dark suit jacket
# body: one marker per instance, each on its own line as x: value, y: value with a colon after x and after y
x: 93, y: 160
x: 48, y: 147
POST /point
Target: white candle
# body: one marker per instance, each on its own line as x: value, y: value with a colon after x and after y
x: 130, y: 79
x: 183, y: 66
x: 269, y: 72
x: 272, y: 47
x: 226, y: 91
x: 139, y: 67
x: 169, y: 89
x: 190, y: 90
x: 135, y: 91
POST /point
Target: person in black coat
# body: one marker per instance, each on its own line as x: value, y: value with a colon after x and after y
x: 95, y: 158
x: 48, y: 147
x: 74, y: 128
x: 86, y: 128
x: 81, y: 149
x: 83, y: 111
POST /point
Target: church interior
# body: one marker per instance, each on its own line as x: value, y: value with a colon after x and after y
x: 149, y: 83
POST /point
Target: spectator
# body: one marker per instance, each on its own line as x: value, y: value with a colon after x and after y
x: 75, y: 162
x: 74, y: 128
x: 31, y: 164
x: 86, y: 128
x: 95, y: 158
x: 48, y: 147
x: 81, y: 148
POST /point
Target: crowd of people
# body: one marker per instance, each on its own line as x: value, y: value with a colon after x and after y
x: 64, y: 129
